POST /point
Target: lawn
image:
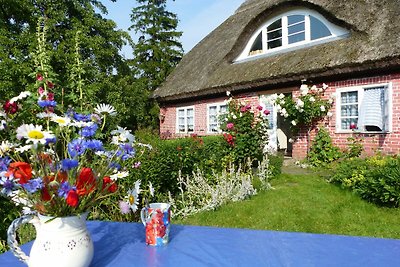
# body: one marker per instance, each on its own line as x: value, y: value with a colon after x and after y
x: 305, y: 203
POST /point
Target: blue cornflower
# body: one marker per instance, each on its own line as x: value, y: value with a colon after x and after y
x: 33, y: 185
x: 64, y: 188
x: 77, y: 147
x: 82, y: 117
x: 47, y: 103
x: 115, y: 165
x: 95, y: 145
x: 127, y: 151
x: 67, y: 164
x: 4, y: 162
x: 8, y: 186
x: 51, y: 140
x: 89, y: 131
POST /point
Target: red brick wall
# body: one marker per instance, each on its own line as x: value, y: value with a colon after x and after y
x: 388, y: 143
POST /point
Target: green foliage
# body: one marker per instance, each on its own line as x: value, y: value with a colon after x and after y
x: 322, y: 150
x: 245, y: 132
x: 375, y: 179
x: 275, y: 164
x: 157, y: 51
x: 354, y: 147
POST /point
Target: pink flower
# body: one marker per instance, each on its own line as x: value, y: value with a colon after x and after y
x: 10, y: 108
x: 243, y: 109
x: 353, y: 126
x: 230, y: 126
x: 124, y: 207
x: 137, y: 165
x: 41, y: 91
x: 259, y: 107
x: 50, y: 96
x: 39, y: 77
x: 267, y: 112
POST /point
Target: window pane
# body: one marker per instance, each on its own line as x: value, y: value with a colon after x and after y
x: 223, y: 109
x: 181, y: 112
x: 181, y: 121
x: 212, y: 110
x: 274, y: 34
x: 349, y: 110
x: 276, y: 43
x: 213, y: 127
x: 181, y: 128
x: 296, y: 38
x: 213, y: 119
x: 296, y: 28
x: 294, y: 19
x: 190, y: 120
x: 318, y: 29
x: 190, y: 128
x: 345, y: 123
x: 349, y: 97
x: 257, y: 45
x: 275, y: 25
x: 189, y: 112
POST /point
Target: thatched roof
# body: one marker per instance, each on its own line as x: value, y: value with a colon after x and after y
x: 373, y: 46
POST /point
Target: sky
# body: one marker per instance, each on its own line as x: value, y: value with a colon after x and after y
x: 197, y: 18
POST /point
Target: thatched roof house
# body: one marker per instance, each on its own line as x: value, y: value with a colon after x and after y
x: 369, y: 47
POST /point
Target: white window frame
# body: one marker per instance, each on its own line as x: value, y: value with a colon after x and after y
x: 336, y: 33
x: 185, y: 109
x: 218, y: 105
x: 360, y: 91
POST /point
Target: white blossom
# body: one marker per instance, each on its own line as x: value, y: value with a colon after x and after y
x: 312, y: 99
x: 329, y: 114
x: 322, y: 108
x: 294, y: 123
x: 324, y: 86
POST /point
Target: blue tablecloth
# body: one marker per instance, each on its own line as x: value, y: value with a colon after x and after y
x: 122, y: 245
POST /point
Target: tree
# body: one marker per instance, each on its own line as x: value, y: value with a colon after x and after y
x: 157, y: 50
x: 99, y: 44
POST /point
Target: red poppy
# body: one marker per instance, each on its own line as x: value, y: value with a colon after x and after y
x: 45, y: 194
x: 21, y: 171
x: 72, y: 198
x: 86, y: 182
x: 109, y: 184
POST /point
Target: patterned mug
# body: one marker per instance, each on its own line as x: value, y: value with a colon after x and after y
x: 156, y: 218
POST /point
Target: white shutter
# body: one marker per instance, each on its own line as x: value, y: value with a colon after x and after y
x: 373, y: 110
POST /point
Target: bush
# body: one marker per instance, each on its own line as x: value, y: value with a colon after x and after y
x: 375, y: 179
x: 322, y: 151
x: 275, y: 164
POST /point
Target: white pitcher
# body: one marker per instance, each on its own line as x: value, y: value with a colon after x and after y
x: 61, y: 241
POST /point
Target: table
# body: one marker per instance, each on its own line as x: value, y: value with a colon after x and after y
x: 119, y: 244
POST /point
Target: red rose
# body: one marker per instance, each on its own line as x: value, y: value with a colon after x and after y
x: 86, y: 182
x: 109, y: 184
x: 21, y: 171
x: 72, y: 198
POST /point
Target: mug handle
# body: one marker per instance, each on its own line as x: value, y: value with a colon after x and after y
x: 12, y: 236
x: 143, y: 217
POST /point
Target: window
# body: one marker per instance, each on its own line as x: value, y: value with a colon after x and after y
x: 215, y: 113
x: 185, y: 120
x: 291, y: 30
x: 365, y: 109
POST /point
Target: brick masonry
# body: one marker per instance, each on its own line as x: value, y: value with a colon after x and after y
x: 387, y: 143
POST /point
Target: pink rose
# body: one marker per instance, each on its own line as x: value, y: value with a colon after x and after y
x: 230, y: 126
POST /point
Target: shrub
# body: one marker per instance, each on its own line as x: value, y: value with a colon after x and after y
x: 354, y: 147
x: 322, y: 150
x: 245, y: 131
x: 375, y: 179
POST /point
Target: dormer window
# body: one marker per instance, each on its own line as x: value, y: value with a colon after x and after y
x: 292, y: 30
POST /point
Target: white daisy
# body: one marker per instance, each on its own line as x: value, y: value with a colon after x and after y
x: 80, y: 124
x: 122, y: 135
x: 3, y: 125
x: 5, y: 147
x: 33, y: 133
x: 43, y: 115
x: 119, y: 175
x: 103, y: 109
x: 21, y: 96
x: 62, y: 121
x: 23, y: 149
x: 133, y: 199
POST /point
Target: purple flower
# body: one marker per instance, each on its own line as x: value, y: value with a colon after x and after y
x: 115, y: 165
x: 89, y: 131
x: 68, y: 164
x: 47, y: 103
x: 126, y: 152
x: 51, y: 140
x: 8, y: 186
x: 77, y: 147
x: 124, y: 207
x: 33, y: 185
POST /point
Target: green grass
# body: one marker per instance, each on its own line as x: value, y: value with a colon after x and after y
x: 305, y: 203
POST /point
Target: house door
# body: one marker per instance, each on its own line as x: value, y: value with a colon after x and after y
x: 272, y: 123
x: 279, y: 130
